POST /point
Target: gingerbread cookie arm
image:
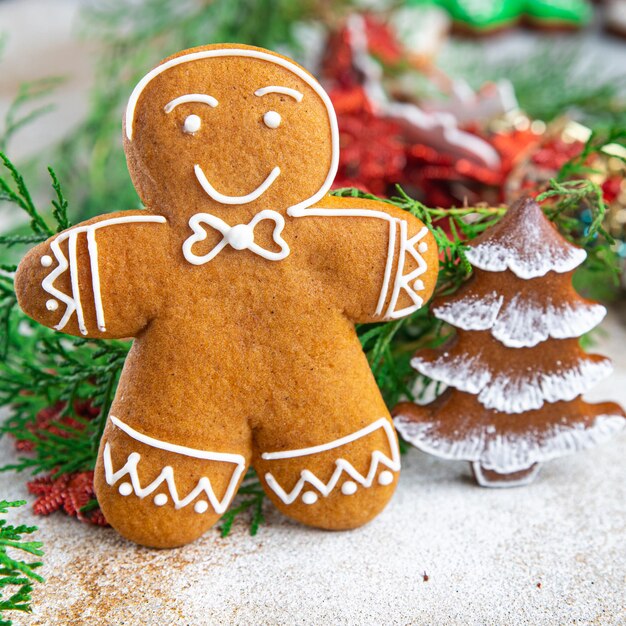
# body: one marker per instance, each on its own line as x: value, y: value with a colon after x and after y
x: 384, y: 260
x: 97, y: 279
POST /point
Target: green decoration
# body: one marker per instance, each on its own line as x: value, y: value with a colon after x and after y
x: 487, y: 16
x: 17, y: 576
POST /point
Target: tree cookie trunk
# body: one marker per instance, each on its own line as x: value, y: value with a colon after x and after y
x: 490, y: 478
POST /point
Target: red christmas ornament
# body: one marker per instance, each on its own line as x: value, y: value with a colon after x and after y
x: 387, y: 141
x: 65, y: 492
x: 68, y: 493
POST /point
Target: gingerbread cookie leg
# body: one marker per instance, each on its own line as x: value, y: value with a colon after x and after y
x: 339, y: 484
x: 324, y: 461
x: 159, y: 493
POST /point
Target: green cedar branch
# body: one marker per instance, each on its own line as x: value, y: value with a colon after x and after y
x: 17, y: 576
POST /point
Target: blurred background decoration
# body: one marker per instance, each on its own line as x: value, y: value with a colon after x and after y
x: 450, y: 128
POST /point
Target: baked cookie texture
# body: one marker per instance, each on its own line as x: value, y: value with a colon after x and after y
x: 241, y: 283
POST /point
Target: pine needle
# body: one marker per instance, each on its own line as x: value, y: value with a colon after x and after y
x: 17, y: 576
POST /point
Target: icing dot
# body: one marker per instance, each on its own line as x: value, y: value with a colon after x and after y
x: 160, y: 499
x: 52, y: 305
x: 240, y: 236
x: 272, y: 119
x: 201, y: 506
x: 309, y: 497
x: 125, y: 489
x: 385, y: 478
x: 422, y: 247
x: 348, y: 488
x: 192, y: 124
x: 46, y: 260
x: 418, y: 285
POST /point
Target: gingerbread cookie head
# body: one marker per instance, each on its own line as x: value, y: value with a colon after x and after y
x: 220, y: 125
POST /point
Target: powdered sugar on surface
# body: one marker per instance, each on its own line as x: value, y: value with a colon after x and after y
x: 484, y: 552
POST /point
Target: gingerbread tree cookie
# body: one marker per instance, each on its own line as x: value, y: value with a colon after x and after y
x: 241, y: 283
x: 515, y: 370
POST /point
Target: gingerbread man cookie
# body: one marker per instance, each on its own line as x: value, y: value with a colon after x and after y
x: 241, y: 283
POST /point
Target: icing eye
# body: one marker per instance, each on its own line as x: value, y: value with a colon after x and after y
x: 192, y: 124
x: 272, y: 119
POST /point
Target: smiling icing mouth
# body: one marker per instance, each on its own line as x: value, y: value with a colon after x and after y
x: 224, y: 199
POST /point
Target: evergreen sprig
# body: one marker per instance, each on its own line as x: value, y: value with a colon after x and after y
x: 17, y: 576
x: 21, y: 113
x: 41, y: 368
x: 390, y: 345
x: 250, y: 497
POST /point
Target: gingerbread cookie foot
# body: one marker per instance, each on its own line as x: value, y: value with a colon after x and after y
x: 161, y: 494
x: 337, y: 485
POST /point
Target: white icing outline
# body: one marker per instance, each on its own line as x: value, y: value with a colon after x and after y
x: 306, y: 476
x: 245, y: 199
x: 400, y: 282
x: 73, y: 302
x: 201, y: 98
x: 264, y: 56
x: 483, y: 481
x: 287, y: 91
x: 300, y: 209
x: 167, y: 473
x: 199, y: 234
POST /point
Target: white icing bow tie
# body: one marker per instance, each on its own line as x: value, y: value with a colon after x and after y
x: 239, y: 237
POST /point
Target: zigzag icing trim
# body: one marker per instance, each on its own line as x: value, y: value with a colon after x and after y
x: 412, y: 246
x: 348, y: 487
x: 167, y: 473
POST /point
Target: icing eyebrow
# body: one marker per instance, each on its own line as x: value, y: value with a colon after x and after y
x: 190, y: 97
x: 294, y: 93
